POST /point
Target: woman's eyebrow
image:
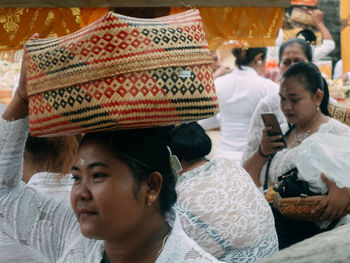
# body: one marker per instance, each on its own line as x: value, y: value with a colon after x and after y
x: 91, y: 165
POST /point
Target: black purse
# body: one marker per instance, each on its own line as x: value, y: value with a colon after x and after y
x: 289, y: 185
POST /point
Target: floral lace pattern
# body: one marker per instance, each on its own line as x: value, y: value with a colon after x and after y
x: 223, y: 211
x: 49, y: 226
x: 270, y: 103
x: 289, y: 158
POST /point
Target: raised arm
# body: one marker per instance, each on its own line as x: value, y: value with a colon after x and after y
x: 31, y: 218
x: 328, y: 43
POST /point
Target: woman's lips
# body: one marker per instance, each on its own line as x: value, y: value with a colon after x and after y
x: 289, y: 115
x: 86, y: 214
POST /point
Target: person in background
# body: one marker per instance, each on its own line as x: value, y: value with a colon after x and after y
x: 218, y: 68
x: 46, y: 168
x: 291, y: 51
x: 238, y: 94
x: 338, y: 72
x: 327, y: 45
x: 316, y: 144
x: 319, y: 52
x: 218, y: 203
x: 48, y: 162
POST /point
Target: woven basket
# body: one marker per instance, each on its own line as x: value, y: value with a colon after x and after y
x: 299, y: 208
x: 340, y: 113
x: 121, y: 73
x: 301, y: 16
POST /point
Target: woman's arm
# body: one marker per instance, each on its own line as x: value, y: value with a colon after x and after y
x: 335, y: 204
x: 255, y: 163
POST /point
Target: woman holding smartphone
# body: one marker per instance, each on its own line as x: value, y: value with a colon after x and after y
x: 314, y: 145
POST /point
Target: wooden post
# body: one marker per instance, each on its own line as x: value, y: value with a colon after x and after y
x: 345, y: 34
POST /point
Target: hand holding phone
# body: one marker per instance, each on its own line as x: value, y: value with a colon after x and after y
x: 270, y: 120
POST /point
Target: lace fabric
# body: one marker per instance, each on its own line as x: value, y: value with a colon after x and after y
x: 270, y: 103
x: 49, y: 226
x: 48, y: 183
x: 223, y: 211
x: 329, y: 156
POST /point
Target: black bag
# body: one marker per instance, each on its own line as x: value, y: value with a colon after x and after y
x: 289, y: 185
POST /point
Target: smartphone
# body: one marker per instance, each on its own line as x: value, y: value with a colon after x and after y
x: 270, y: 120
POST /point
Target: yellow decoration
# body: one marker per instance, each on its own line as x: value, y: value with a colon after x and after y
x: 18, y: 24
x: 345, y: 33
x: 253, y: 26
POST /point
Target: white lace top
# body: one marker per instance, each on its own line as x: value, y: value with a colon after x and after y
x: 327, y: 150
x: 223, y: 211
x: 48, y: 183
x: 270, y: 103
x: 50, y: 226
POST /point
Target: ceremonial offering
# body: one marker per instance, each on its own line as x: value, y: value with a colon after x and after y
x: 121, y: 73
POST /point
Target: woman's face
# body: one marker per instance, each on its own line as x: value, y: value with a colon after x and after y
x: 292, y: 53
x: 297, y: 103
x: 102, y: 195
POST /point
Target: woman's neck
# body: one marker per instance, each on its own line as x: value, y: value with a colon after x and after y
x: 313, y: 123
x: 190, y: 165
x: 142, y: 245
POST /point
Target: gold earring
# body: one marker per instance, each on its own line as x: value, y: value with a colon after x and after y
x: 149, y: 199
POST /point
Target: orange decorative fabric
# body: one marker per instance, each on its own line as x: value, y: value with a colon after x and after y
x: 345, y: 34
x: 19, y: 24
x: 89, y: 15
x: 305, y: 2
x: 257, y: 26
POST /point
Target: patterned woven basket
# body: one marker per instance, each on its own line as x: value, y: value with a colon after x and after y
x: 299, y: 208
x: 340, y: 113
x: 121, y: 73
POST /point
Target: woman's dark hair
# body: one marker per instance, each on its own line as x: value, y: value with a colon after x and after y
x: 305, y: 46
x: 55, y: 154
x: 144, y: 151
x: 307, y: 35
x: 189, y: 141
x: 309, y: 74
x: 244, y: 57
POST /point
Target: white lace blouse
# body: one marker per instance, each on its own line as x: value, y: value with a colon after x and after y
x: 327, y: 150
x: 223, y: 211
x: 48, y: 183
x: 49, y: 226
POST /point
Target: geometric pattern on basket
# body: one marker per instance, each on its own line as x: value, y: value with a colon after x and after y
x: 140, y: 99
x: 113, y: 45
x: 340, y: 113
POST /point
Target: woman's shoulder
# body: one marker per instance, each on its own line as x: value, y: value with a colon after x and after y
x: 335, y: 127
x: 213, y: 166
x: 179, y: 247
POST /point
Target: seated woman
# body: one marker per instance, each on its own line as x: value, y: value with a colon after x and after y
x: 218, y: 203
x: 122, y: 198
x: 291, y: 51
x: 316, y: 144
